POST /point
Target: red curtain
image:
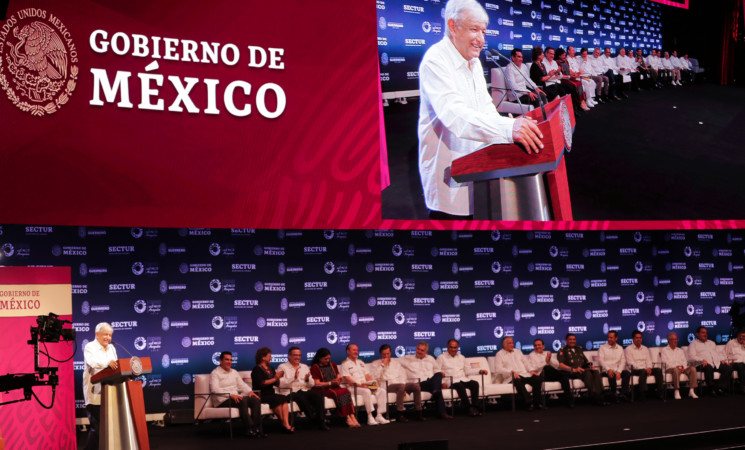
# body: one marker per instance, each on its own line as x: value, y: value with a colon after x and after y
x: 732, y: 30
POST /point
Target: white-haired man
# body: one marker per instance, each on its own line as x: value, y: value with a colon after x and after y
x: 456, y: 113
x: 676, y: 364
x: 98, y: 355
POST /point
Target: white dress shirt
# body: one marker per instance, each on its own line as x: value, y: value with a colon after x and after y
x: 623, y: 65
x: 289, y: 380
x: 609, y: 64
x: 549, y: 66
x: 673, y: 358
x: 611, y: 358
x: 535, y: 362
x: 597, y: 65
x: 521, y: 84
x: 735, y: 351
x: 456, y: 117
x: 230, y: 383
x: 675, y: 61
x: 393, y: 373
x: 704, y: 351
x: 96, y: 359
x: 355, y: 370
x: 666, y: 64
x: 638, y: 357
x: 420, y: 369
x: 656, y: 63
x: 574, y: 63
x: 508, y: 362
x: 455, y: 367
x: 652, y: 61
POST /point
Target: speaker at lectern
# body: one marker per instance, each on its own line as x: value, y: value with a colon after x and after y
x: 510, y: 184
x: 123, y: 423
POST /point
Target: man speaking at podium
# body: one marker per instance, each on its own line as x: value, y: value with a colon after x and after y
x: 456, y: 114
x: 99, y: 355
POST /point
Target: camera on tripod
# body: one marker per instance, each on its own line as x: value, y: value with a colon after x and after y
x: 49, y: 329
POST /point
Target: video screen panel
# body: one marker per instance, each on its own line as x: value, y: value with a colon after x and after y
x: 406, y: 29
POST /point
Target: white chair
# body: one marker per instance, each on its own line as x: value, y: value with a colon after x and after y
x: 489, y: 388
x: 500, y: 96
x: 203, y: 408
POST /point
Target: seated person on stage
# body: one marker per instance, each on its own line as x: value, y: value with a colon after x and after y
x: 613, y: 365
x: 646, y: 70
x: 627, y: 66
x: 591, y: 67
x: 327, y: 381
x: 686, y: 61
x: 548, y: 82
x: 456, y: 111
x: 296, y: 377
x: 573, y: 360
x: 518, y: 77
x: 611, y: 71
x: 510, y: 364
x: 264, y: 379
x: 359, y: 380
x: 678, y: 63
x: 588, y: 84
x: 98, y: 355
x: 456, y: 370
x: 704, y: 354
x: 569, y: 81
x: 391, y: 371
x: 639, y: 360
x: 674, y: 73
x: 539, y: 361
x: 676, y: 364
x: 233, y: 392
x: 654, y: 60
x: 735, y: 351
x: 423, y: 367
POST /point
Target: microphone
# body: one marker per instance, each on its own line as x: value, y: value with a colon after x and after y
x: 122, y: 347
x: 135, y: 363
x: 496, y: 53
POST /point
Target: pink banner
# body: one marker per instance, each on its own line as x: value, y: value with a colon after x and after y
x: 27, y: 424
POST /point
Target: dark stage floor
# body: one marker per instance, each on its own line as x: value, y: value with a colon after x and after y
x: 641, y: 425
x: 671, y: 154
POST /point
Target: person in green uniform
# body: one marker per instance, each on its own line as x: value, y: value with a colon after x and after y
x: 573, y: 360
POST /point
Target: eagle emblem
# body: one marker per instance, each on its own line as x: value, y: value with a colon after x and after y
x: 40, y: 77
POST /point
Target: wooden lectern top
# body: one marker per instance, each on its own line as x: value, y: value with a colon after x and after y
x: 509, y: 160
x: 127, y: 368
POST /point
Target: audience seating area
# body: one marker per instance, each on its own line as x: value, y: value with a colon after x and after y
x: 491, y: 385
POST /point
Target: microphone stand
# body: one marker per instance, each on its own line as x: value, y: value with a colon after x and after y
x: 496, y: 53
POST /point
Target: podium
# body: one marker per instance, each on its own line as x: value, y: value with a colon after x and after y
x: 510, y: 184
x: 123, y: 424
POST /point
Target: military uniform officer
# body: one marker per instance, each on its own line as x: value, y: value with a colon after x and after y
x: 573, y: 360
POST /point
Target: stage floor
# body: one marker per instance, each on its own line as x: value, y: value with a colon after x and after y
x: 670, y: 154
x: 639, y: 425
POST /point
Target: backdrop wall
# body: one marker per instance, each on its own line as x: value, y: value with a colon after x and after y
x: 181, y: 296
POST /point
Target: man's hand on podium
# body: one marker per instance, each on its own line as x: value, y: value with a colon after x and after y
x: 113, y: 364
x: 525, y: 132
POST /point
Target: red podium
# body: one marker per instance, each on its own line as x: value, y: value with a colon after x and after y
x: 510, y: 184
x: 123, y: 423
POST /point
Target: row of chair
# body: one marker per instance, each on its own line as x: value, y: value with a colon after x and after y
x: 492, y: 387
